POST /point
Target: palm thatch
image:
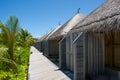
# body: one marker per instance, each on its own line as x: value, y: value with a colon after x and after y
x: 46, y: 36
x: 52, y: 32
x: 63, y: 30
x: 104, y: 18
x: 43, y: 37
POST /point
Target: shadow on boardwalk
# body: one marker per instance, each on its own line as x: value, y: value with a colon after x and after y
x: 41, y: 68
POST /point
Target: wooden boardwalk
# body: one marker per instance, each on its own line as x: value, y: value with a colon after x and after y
x: 41, y: 68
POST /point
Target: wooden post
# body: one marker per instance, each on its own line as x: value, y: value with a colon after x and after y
x: 62, y: 53
x: 79, y: 58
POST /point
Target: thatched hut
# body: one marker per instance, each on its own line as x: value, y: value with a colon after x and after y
x: 39, y: 44
x: 48, y: 48
x: 54, y: 39
x: 66, y: 50
x: 97, y: 48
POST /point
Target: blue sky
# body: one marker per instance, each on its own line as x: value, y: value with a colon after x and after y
x: 40, y: 16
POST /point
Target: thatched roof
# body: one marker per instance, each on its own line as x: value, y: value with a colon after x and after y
x: 65, y: 28
x: 47, y: 35
x: 52, y: 32
x: 43, y: 37
x: 104, y: 18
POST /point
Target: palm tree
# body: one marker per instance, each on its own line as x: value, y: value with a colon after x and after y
x: 25, y: 38
x: 9, y: 31
x: 23, y: 35
x: 1, y: 41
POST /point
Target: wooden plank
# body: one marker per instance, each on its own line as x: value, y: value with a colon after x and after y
x: 79, y: 73
x: 89, y: 54
x: 72, y: 56
x: 86, y: 51
x: 67, y: 49
x: 62, y: 53
x: 103, y: 51
x: 94, y: 54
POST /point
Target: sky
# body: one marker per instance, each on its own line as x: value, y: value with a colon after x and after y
x: 41, y: 16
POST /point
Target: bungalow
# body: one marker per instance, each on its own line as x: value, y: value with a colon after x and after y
x: 97, y: 48
x: 54, y: 39
x: 65, y: 45
x: 49, y: 48
x: 41, y: 43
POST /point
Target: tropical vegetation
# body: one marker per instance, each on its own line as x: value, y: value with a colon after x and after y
x: 15, y: 43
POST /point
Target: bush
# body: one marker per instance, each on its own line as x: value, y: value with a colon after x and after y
x: 21, y: 60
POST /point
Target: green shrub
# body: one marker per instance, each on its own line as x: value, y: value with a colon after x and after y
x: 21, y: 60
